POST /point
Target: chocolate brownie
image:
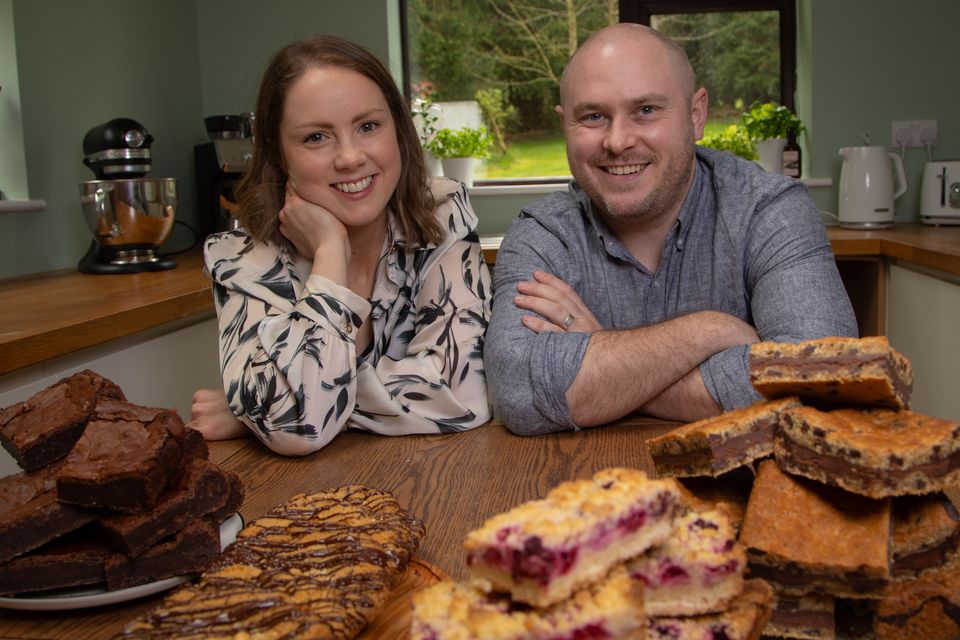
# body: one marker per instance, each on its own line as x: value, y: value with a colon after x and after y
x: 807, y: 537
x: 876, y: 453
x: 833, y: 372
x: 612, y: 608
x: 809, y: 617
x: 199, y: 489
x: 30, y: 514
x: 190, y: 550
x: 121, y: 464
x: 235, y: 495
x: 745, y: 619
x: 70, y: 561
x: 45, y: 427
x: 543, y: 550
x: 926, y: 532
x: 321, y: 565
x: 713, y: 446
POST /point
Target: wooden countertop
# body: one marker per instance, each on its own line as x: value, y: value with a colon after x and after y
x: 452, y: 482
x: 51, y: 314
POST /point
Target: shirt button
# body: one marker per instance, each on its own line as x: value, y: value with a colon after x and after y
x: 348, y: 328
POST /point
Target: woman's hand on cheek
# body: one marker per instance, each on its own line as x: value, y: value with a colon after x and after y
x: 317, y: 234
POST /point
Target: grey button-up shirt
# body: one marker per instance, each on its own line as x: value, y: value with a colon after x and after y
x: 747, y: 243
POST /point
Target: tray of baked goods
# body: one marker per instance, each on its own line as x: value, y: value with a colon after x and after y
x: 114, y: 500
x: 841, y: 495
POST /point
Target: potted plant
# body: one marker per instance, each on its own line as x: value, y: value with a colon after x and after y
x: 769, y: 125
x: 459, y: 149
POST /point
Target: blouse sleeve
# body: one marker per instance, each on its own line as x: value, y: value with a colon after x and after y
x: 287, y: 362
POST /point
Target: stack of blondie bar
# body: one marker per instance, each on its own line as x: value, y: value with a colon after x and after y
x: 838, y: 491
x: 112, y: 494
x: 615, y: 556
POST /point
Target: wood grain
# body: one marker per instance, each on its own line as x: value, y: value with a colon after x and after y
x: 393, y: 622
x: 47, y: 315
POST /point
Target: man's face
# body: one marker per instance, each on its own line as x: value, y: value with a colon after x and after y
x: 630, y: 126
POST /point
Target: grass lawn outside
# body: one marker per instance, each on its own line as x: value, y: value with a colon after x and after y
x: 543, y: 155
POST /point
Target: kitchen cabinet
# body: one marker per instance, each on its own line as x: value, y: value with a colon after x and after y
x: 922, y: 319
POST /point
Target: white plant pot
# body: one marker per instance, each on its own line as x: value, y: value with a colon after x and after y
x: 459, y: 169
x: 770, y: 154
x: 434, y: 167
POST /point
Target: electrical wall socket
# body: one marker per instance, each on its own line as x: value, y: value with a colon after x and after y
x: 914, y: 133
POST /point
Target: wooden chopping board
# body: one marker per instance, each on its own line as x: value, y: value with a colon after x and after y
x: 394, y: 621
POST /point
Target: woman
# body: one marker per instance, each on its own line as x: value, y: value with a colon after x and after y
x: 354, y: 295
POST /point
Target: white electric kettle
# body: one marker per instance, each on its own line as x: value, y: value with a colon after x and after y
x: 867, y: 187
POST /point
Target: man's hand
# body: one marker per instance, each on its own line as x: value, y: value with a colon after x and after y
x: 210, y: 415
x: 558, y: 306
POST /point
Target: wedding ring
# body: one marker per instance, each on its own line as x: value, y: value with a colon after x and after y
x: 568, y: 320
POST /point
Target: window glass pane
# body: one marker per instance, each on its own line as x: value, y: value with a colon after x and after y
x: 497, y: 64
x: 506, y: 55
x: 736, y: 56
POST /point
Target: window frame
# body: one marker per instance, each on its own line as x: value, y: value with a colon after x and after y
x: 640, y: 11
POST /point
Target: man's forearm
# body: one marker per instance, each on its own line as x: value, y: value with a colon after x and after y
x: 624, y: 370
x: 685, y: 400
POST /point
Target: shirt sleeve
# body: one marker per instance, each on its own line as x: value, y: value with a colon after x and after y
x: 529, y: 372
x: 440, y: 386
x: 794, y: 287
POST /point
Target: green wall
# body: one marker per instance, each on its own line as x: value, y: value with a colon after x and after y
x: 165, y: 63
x: 866, y: 63
x: 169, y: 63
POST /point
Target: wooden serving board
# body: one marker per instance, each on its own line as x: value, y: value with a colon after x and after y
x: 394, y: 621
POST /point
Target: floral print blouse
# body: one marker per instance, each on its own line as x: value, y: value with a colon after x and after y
x: 288, y: 355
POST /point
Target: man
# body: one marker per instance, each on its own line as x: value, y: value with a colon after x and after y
x: 644, y: 285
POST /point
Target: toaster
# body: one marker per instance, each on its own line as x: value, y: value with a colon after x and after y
x: 940, y: 195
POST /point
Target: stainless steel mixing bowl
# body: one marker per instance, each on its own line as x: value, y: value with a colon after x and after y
x: 132, y: 216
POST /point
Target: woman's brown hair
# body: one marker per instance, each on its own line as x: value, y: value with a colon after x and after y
x: 260, y: 193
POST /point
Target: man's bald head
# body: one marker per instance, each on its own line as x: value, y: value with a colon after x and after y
x: 608, y: 38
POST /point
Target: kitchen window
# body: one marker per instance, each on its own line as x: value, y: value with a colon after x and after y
x: 497, y: 64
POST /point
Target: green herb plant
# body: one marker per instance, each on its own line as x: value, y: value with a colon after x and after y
x: 461, y: 143
x: 734, y: 139
x: 770, y: 120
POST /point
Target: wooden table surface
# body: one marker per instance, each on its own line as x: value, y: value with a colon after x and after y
x: 452, y: 482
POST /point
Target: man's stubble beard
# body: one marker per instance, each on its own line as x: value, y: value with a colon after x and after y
x: 661, y: 198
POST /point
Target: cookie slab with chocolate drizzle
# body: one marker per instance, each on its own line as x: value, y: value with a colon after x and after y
x: 321, y: 565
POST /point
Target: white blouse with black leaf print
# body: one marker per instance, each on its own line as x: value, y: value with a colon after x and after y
x: 288, y: 355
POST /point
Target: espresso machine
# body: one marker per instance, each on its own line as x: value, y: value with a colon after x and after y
x: 129, y: 215
x: 220, y: 164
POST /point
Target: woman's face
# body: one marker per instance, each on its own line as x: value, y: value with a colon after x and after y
x: 339, y: 144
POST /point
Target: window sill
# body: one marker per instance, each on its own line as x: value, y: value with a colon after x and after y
x: 14, y: 206
x: 561, y: 185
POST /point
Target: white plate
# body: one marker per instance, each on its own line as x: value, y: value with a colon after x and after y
x: 84, y: 597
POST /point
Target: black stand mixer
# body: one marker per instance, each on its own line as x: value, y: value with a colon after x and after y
x: 129, y: 215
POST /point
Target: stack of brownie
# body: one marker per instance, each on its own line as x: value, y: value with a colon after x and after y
x: 614, y: 556
x: 838, y: 490
x: 111, y: 495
